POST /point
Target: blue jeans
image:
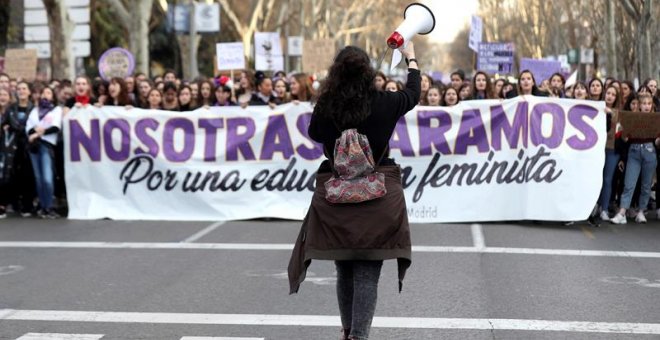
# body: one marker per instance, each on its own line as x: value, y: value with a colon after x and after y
x: 641, y: 162
x: 42, y: 165
x: 611, y: 161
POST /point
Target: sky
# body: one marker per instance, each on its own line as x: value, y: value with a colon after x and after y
x: 450, y: 16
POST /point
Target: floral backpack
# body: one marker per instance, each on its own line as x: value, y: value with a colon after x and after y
x: 355, y: 179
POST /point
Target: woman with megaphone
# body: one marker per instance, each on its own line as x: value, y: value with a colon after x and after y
x: 357, y: 236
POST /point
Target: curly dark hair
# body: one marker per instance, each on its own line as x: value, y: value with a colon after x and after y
x: 345, y: 95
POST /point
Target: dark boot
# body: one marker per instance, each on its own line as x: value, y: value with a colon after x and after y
x: 345, y: 333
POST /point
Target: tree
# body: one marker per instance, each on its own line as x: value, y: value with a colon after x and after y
x: 61, y: 29
x: 5, y: 12
x: 642, y: 15
x: 134, y: 17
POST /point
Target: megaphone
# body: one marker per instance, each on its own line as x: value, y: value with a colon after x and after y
x: 418, y: 19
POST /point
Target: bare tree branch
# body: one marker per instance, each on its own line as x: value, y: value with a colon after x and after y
x: 119, y: 9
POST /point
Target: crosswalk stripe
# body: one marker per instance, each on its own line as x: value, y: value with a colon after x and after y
x: 58, y: 336
x: 330, y: 321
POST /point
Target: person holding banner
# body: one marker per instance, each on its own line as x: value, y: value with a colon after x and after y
x: 264, y: 94
x: 612, y: 155
x: 43, y: 124
x: 526, y: 86
x: 450, y: 97
x: 301, y: 87
x: 357, y: 236
x: 642, y: 161
x: 482, y: 88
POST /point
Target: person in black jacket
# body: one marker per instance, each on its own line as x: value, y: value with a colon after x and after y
x: 359, y: 236
x: 526, y: 86
x: 21, y: 191
x: 264, y: 94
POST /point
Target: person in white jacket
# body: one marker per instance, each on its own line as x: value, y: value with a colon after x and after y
x: 43, y: 124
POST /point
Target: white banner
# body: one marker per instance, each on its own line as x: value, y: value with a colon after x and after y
x: 490, y: 160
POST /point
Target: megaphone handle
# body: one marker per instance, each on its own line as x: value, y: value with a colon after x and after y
x: 397, y: 56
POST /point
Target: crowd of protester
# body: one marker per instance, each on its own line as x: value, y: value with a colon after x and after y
x: 31, y: 152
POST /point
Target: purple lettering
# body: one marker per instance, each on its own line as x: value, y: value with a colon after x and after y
x: 141, y: 132
x: 305, y: 152
x: 513, y: 132
x: 471, y: 133
x: 576, y: 117
x: 211, y: 126
x: 276, y: 139
x: 429, y: 136
x: 558, y: 124
x: 124, y: 151
x: 91, y: 143
x: 240, y: 142
x: 188, y: 128
x: 401, y: 140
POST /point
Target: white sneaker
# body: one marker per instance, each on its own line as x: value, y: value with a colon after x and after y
x: 604, y: 216
x: 619, y: 219
x: 640, y: 218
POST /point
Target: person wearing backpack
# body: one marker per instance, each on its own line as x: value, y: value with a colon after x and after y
x: 358, y: 215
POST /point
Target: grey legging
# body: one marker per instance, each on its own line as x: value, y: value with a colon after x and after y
x: 357, y: 292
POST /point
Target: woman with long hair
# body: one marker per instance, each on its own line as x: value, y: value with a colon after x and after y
x: 596, y: 90
x: 144, y: 87
x: 527, y: 86
x: 481, y: 86
x: 450, y: 97
x: 465, y: 92
x: 426, y: 83
x: 281, y: 90
x: 557, y: 80
x: 627, y: 88
x: 118, y: 93
x: 185, y: 98
x: 612, y: 153
x: 434, y: 96
x: 641, y: 164
x: 380, y: 80
x: 21, y: 189
x: 357, y: 236
x: 301, y: 87
x: 154, y: 100
x: 44, y: 123
x: 206, y: 93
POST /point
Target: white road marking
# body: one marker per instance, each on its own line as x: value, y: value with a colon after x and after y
x: 58, y: 336
x: 203, y: 232
x: 7, y: 270
x: 478, y: 236
x: 289, y: 247
x: 332, y: 321
x: 216, y: 338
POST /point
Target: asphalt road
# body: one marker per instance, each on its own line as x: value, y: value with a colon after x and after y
x: 204, y: 280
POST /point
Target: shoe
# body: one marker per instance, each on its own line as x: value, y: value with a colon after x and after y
x: 51, y: 214
x: 42, y: 213
x: 569, y: 223
x: 640, y: 218
x: 26, y: 214
x: 619, y: 219
x: 3, y: 213
x: 604, y: 216
x: 593, y: 221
